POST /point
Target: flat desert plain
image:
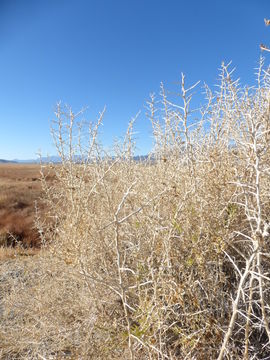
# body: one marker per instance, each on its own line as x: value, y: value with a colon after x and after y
x: 20, y: 188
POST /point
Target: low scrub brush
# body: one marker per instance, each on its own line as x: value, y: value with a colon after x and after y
x: 165, y: 258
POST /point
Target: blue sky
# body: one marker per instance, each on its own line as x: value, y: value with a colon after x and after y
x: 114, y: 53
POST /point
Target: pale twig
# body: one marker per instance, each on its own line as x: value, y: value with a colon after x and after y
x: 242, y: 281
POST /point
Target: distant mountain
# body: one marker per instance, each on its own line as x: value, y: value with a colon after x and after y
x: 141, y: 157
x: 47, y: 159
x: 57, y: 159
x: 2, y: 161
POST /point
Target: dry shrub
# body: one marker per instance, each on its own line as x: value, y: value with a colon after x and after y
x: 166, y: 258
x: 18, y: 228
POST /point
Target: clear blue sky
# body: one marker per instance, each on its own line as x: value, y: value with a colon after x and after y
x: 114, y: 53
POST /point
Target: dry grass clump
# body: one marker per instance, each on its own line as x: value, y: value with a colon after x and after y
x: 166, y: 258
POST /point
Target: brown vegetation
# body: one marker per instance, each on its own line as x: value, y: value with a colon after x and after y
x: 163, y: 259
x: 20, y: 190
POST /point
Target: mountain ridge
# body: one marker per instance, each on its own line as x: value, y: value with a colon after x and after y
x: 56, y: 159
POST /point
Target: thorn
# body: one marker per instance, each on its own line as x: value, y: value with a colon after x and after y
x: 264, y: 47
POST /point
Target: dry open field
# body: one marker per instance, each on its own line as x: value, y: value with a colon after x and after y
x: 20, y: 189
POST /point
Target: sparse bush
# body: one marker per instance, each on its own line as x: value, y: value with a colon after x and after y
x: 166, y: 258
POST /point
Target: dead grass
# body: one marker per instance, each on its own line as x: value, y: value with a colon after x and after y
x: 14, y: 252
